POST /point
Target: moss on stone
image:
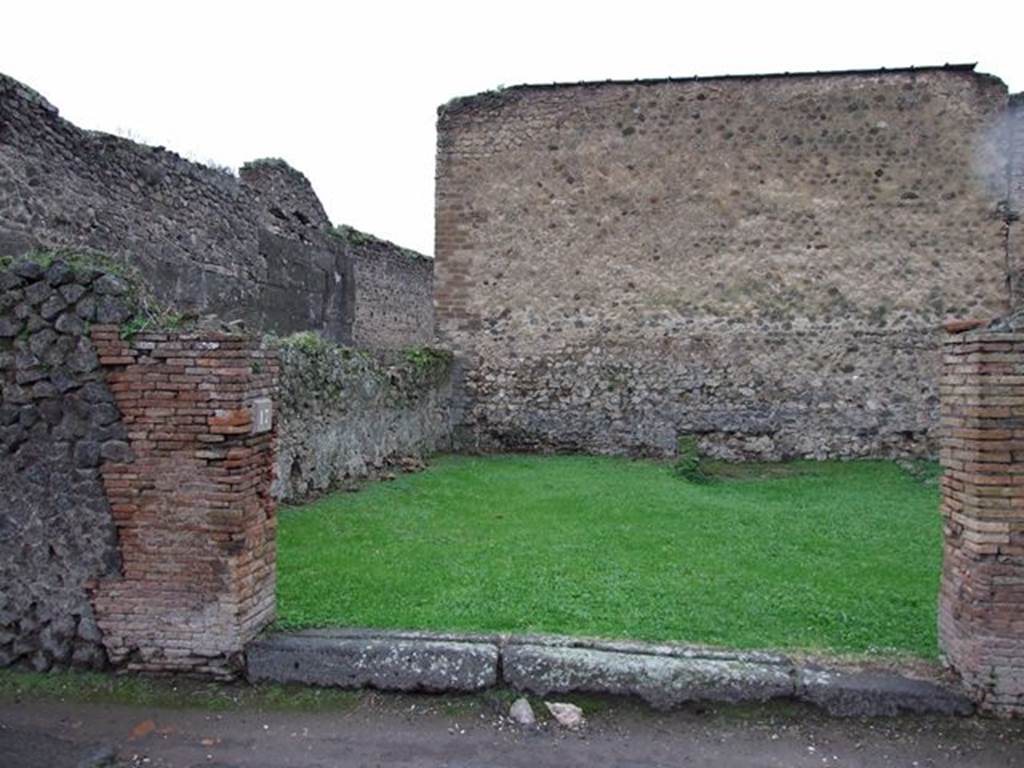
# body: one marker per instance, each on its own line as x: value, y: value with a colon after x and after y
x: 267, y: 162
x: 78, y: 260
x: 428, y: 359
x: 148, y: 314
x: 320, y: 370
x: 355, y: 237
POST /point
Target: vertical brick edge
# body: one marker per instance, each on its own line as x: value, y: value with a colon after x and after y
x: 981, y: 600
x: 191, y: 501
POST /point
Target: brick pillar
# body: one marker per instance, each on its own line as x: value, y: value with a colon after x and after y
x: 981, y: 603
x: 191, y: 501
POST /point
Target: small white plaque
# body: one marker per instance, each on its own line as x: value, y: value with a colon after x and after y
x: 262, y: 415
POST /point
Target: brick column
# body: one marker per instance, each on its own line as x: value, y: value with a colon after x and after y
x: 191, y: 500
x: 981, y: 603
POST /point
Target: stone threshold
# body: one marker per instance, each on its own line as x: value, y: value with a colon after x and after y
x: 662, y: 675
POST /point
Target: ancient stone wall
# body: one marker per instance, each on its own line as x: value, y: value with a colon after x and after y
x: 190, y: 497
x: 394, y: 293
x: 981, y: 603
x: 257, y: 247
x: 137, y: 526
x: 345, y: 415
x: 760, y: 261
x: 58, y: 424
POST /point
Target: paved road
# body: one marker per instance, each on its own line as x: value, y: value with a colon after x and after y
x: 388, y: 730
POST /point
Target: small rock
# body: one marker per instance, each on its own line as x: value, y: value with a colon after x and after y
x: 116, y: 451
x: 87, y: 454
x: 83, y: 357
x: 59, y: 273
x: 10, y: 327
x: 110, y: 285
x: 85, y: 276
x: 27, y: 375
x: 42, y: 389
x: 521, y: 712
x: 111, y: 310
x: 52, y: 307
x: 87, y: 629
x: 99, y: 757
x: 9, y: 414
x: 29, y: 270
x: 568, y: 715
x: 86, y: 308
x: 62, y: 380
x: 39, y: 662
x: 104, y: 414
x: 72, y: 292
x: 70, y: 323
x: 411, y: 464
x: 40, y: 341
x: 35, y: 322
x: 95, y: 392
x: 9, y: 281
x: 51, y: 410
x: 37, y: 293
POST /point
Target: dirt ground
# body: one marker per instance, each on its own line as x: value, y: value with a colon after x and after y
x: 402, y: 730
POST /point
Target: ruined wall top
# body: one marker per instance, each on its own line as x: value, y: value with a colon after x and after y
x: 759, y: 260
x: 488, y: 100
x: 288, y: 203
x: 257, y: 246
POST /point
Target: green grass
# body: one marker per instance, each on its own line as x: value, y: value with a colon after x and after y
x: 839, y: 557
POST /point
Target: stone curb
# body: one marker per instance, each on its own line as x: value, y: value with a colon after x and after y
x: 388, y: 663
x: 662, y: 675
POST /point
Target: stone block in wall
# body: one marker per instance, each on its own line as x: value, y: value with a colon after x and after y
x: 189, y: 489
x: 57, y: 423
x: 309, y: 285
x: 981, y: 603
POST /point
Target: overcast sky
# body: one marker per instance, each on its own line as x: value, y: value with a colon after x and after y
x: 348, y: 93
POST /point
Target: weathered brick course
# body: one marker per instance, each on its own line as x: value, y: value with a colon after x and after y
x: 981, y: 602
x: 190, y: 498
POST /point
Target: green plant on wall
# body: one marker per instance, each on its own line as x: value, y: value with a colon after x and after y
x: 306, y: 341
x: 688, y: 463
x: 148, y: 313
x: 427, y: 358
x: 355, y: 237
x: 152, y: 316
x: 427, y: 364
x: 77, y: 260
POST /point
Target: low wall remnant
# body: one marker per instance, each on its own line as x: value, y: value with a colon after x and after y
x: 345, y: 415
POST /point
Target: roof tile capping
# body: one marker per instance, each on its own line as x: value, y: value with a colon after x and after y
x: 491, y: 97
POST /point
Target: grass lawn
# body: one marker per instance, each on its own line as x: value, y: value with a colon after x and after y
x: 842, y: 557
